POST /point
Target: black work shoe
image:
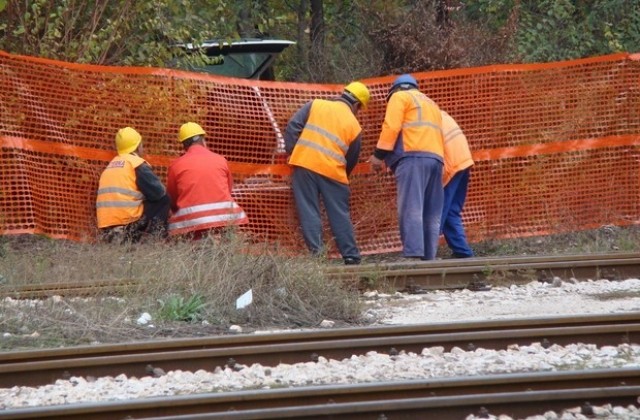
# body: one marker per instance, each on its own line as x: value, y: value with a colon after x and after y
x: 454, y: 255
x: 351, y: 261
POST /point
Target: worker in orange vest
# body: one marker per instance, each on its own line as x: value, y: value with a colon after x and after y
x: 131, y: 201
x: 411, y: 145
x: 200, y: 184
x: 323, y: 139
x: 457, y: 168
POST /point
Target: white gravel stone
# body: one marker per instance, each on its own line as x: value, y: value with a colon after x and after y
x: 144, y: 318
x: 236, y: 329
x: 535, y: 299
x: 327, y: 324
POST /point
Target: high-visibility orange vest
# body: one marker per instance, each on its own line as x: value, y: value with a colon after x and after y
x: 119, y: 201
x: 199, y: 184
x: 325, y: 139
x: 457, y: 155
x: 412, y: 126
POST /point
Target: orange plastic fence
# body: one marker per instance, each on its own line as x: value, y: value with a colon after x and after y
x: 556, y: 145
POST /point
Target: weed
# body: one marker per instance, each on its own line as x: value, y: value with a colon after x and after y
x: 177, y: 308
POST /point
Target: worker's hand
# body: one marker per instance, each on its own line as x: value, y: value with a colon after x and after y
x: 376, y: 164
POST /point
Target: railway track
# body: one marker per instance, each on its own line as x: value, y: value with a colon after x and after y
x: 414, y: 276
x: 40, y: 367
x: 410, y: 276
x: 515, y: 395
x: 450, y: 398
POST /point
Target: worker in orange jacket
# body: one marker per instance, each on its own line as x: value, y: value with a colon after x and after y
x: 323, y: 140
x: 200, y: 184
x: 457, y: 168
x: 411, y: 145
x: 131, y: 201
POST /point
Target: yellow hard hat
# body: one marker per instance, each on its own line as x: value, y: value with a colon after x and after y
x: 127, y: 140
x: 360, y: 92
x: 189, y: 130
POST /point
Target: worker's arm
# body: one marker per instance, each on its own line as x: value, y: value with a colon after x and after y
x: 393, y: 120
x: 353, y: 153
x: 391, y: 129
x: 295, y: 126
x: 149, y: 184
x: 172, y: 189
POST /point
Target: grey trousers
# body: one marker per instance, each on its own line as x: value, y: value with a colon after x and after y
x: 308, y: 188
x: 420, y: 201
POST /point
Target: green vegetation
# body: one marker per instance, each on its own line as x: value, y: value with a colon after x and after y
x: 336, y: 41
x: 177, y: 308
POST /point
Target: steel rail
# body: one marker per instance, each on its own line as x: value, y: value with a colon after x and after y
x: 517, y: 405
x: 70, y: 289
x: 269, y: 338
x: 412, y: 276
x: 34, y: 368
x: 462, y: 273
x: 394, y: 393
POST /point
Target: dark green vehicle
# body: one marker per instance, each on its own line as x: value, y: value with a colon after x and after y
x: 245, y: 58
x: 251, y: 58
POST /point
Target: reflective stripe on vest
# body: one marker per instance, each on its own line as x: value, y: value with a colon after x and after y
x: 330, y: 129
x: 324, y: 150
x: 204, y: 216
x: 420, y: 122
x: 107, y: 190
x: 115, y: 190
x: 118, y: 200
x: 452, y: 134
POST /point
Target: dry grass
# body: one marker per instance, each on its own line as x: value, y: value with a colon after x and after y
x: 189, y: 288
x: 606, y: 239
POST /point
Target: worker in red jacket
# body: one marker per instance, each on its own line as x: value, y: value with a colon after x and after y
x: 200, y: 184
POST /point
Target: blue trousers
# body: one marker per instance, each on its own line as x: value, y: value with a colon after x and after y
x: 455, y: 194
x: 308, y: 187
x: 420, y: 198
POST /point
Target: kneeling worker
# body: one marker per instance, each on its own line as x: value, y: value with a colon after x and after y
x: 131, y: 199
x: 200, y: 185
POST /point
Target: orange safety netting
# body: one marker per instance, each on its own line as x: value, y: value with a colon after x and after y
x: 556, y: 145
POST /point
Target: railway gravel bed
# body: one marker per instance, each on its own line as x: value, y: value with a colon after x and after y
x: 371, y: 368
x: 37, y: 368
x: 543, y: 297
x: 431, y: 361
x: 456, y: 396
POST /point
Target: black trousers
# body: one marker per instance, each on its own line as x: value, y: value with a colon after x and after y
x: 153, y: 222
x: 155, y: 216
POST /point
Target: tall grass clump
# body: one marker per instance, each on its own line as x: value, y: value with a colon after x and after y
x: 187, y: 287
x: 287, y: 291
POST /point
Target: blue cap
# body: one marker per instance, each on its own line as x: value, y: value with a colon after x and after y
x: 406, y: 81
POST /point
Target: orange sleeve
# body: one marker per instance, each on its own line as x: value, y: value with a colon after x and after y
x: 392, y: 124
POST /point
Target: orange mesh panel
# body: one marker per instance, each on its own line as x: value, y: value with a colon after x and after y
x: 556, y: 145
